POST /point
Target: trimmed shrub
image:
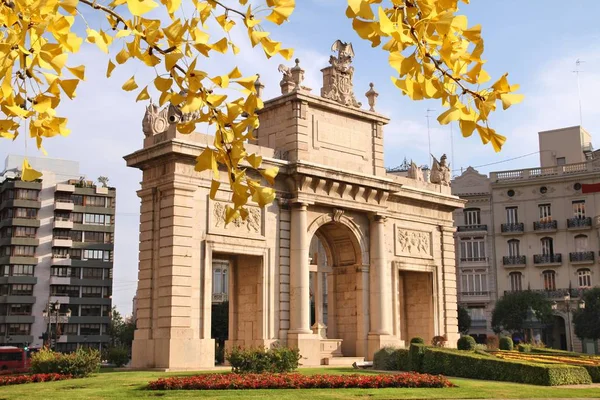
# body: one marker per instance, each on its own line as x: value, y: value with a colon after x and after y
x: 491, y: 342
x: 118, y: 356
x: 506, y: 343
x: 480, y: 347
x: 259, y: 360
x: 555, y: 352
x: 78, y: 364
x: 472, y: 365
x: 415, y: 356
x: 438, y: 341
x: 524, y: 348
x: 417, y: 340
x: 386, y: 359
x: 466, y: 343
x: 403, y: 359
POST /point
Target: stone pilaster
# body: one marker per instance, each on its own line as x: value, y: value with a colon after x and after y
x: 448, y: 284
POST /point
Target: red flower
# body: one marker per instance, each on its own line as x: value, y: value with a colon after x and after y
x: 20, y: 379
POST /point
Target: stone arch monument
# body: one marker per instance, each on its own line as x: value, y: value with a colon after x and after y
x: 372, y: 253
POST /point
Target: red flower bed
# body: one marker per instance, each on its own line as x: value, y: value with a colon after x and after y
x: 299, y: 381
x: 16, y: 371
x: 19, y: 379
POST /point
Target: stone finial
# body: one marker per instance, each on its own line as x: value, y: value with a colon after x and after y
x: 440, y: 171
x: 258, y: 86
x: 287, y: 82
x: 337, y: 78
x: 297, y: 74
x: 371, y: 97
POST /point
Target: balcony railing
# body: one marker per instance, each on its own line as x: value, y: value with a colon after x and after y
x: 472, y: 228
x: 475, y: 293
x: 473, y: 259
x: 558, y: 294
x: 547, y: 258
x: 545, y: 226
x: 573, y: 223
x: 534, y: 173
x: 514, y: 260
x: 581, y: 256
x: 220, y: 297
x: 518, y: 227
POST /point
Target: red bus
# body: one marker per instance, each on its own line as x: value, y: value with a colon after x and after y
x: 12, y: 357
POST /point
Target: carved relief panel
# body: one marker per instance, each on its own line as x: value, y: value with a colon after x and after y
x: 252, y: 227
x: 412, y: 243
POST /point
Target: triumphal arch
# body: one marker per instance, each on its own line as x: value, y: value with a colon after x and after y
x: 348, y: 259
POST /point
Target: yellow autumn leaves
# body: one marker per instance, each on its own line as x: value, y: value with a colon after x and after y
x: 436, y: 56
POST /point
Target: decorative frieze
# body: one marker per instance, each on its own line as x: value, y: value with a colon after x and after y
x: 412, y: 243
x: 251, y: 226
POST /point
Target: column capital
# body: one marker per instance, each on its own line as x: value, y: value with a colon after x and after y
x: 378, y: 218
x: 449, y: 229
x: 300, y: 205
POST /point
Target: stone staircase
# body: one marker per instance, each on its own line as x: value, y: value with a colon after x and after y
x: 342, y: 361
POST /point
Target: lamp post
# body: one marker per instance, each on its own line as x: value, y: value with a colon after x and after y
x: 52, y: 313
x: 569, y: 309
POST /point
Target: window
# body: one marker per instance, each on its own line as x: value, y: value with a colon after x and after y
x: 545, y: 213
x: 22, y: 270
x: 60, y: 252
x: 584, y: 278
x: 547, y: 246
x: 63, y: 197
x: 561, y: 161
x: 76, y: 236
x: 61, y: 234
x: 65, y: 272
x: 549, y: 280
x: 516, y: 281
x: 69, y: 329
x: 24, y: 231
x: 92, y: 273
x: 62, y: 216
x: 96, y: 219
x: 4, y: 270
x: 91, y: 291
x: 77, y: 218
x: 97, y: 237
x: 26, y: 194
x: 581, y: 243
x: 579, y: 209
x: 19, y: 309
x: 104, y: 255
x: 95, y: 201
x: 19, y: 329
x: 474, y: 282
x: 64, y: 290
x: 89, y: 329
x: 513, y: 248
x: 91, y: 311
x: 472, y: 249
x: 21, y: 290
x: 220, y: 276
x: 78, y: 199
x: 512, y: 216
x: 477, y: 313
x: 28, y: 213
x: 472, y: 216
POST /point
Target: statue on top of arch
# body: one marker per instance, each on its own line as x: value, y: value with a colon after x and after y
x: 440, y: 171
x: 337, y: 79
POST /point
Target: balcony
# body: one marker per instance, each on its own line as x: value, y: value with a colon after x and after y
x: 581, y: 257
x: 535, y: 173
x: 547, y: 259
x: 220, y: 297
x: 64, y: 205
x: 474, y: 296
x: 63, y: 187
x: 513, y: 229
x: 62, y: 242
x: 62, y: 260
x: 472, y: 228
x: 61, y: 223
x: 579, y: 223
x: 473, y: 259
x: 557, y: 294
x: 514, y: 261
x: 545, y: 226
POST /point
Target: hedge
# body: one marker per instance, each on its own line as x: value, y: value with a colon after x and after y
x: 385, y: 359
x: 472, y: 365
x: 593, y: 370
x: 415, y: 357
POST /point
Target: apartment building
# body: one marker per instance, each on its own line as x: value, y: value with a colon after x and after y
x: 56, y: 256
x: 543, y: 229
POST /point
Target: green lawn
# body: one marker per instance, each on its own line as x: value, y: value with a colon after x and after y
x: 130, y: 385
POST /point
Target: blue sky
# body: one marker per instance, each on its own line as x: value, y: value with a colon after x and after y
x: 536, y: 41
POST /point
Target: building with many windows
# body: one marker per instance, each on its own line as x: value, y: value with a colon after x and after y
x: 56, y: 256
x: 539, y: 227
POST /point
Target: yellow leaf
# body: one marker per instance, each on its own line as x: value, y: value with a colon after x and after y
x: 29, y: 174
x: 508, y: 99
x: 215, y: 99
x: 257, y: 36
x: 163, y: 84
x: 220, y: 46
x: 122, y: 56
x: 98, y: 39
x: 111, y: 67
x: 18, y: 111
x: 263, y: 196
x: 247, y: 83
x: 385, y: 24
x: 269, y: 174
x: 79, y: 72
x: 502, y: 85
x: 143, y: 95
x: 42, y: 103
x: 254, y: 160
x: 214, y: 187
x: 281, y: 12
x: 207, y: 160
x: 235, y: 73
x: 449, y: 115
x: 130, y: 85
x: 70, y: 6
x: 69, y: 86
x: 140, y: 7
x: 171, y: 59
x: 230, y: 214
x: 467, y: 127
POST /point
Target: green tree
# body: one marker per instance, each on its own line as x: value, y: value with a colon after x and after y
x: 120, y: 330
x: 587, y: 320
x: 511, y: 311
x: 464, y: 320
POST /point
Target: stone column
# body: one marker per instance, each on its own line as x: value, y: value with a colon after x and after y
x: 300, y: 335
x: 449, y: 301
x: 380, y: 302
x: 299, y: 272
x: 319, y: 327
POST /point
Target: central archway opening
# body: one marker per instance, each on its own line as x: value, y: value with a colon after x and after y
x: 339, y: 303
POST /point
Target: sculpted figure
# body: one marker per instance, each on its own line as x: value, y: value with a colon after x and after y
x: 440, y: 171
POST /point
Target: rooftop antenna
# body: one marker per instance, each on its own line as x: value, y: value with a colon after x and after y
x: 429, y: 136
x: 578, y: 63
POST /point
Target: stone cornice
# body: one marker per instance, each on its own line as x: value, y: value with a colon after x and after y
x: 321, y: 102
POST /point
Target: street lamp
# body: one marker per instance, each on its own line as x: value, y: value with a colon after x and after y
x: 52, y: 312
x: 581, y: 306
